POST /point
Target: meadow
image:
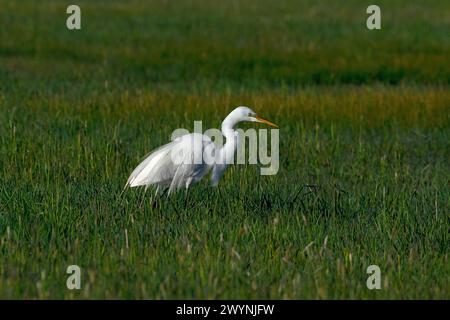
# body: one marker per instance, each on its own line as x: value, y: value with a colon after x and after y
x: 364, y: 173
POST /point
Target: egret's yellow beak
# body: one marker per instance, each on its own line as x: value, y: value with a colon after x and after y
x: 262, y: 120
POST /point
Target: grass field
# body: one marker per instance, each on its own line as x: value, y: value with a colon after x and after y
x: 364, y: 122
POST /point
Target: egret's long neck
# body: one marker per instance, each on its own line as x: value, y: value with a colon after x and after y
x: 225, y: 155
x: 228, y: 150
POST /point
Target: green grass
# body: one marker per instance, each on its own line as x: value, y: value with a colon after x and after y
x: 365, y: 149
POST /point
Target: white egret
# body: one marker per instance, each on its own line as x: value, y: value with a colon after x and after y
x: 175, y: 165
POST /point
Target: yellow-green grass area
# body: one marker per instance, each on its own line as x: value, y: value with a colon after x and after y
x: 364, y: 172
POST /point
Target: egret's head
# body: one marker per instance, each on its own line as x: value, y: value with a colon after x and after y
x: 243, y: 113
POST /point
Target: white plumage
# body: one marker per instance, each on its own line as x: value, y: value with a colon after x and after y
x: 172, y: 165
x: 181, y: 162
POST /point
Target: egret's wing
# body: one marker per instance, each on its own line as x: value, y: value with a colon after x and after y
x: 141, y: 174
x: 173, y: 164
x: 191, y: 166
